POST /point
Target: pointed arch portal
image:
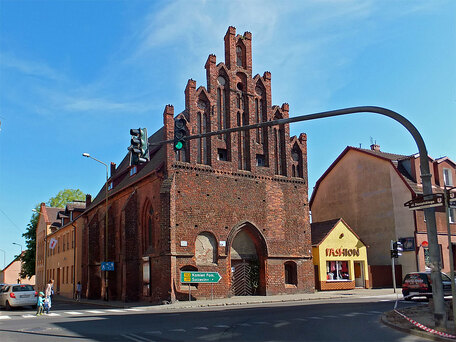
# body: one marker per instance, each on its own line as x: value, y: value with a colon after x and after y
x: 248, y: 254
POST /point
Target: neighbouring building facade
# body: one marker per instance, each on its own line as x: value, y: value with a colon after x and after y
x: 11, y: 274
x: 339, y: 256
x: 235, y: 204
x: 58, y: 253
x: 368, y: 188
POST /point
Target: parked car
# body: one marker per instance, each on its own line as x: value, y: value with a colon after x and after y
x: 417, y: 284
x: 16, y: 295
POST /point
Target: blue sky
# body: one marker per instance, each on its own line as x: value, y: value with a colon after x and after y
x: 75, y: 76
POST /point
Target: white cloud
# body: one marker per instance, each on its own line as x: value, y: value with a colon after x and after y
x: 29, y: 68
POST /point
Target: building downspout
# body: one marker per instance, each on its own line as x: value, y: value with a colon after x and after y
x: 74, y: 259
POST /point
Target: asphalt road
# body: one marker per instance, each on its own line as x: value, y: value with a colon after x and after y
x: 341, y: 320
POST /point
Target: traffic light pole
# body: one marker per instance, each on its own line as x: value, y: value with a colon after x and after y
x: 440, y: 316
x: 393, y: 266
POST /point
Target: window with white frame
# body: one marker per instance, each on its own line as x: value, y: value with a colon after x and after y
x: 452, y: 215
x: 447, y: 177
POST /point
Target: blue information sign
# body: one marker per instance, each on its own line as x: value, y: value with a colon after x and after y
x: 107, y: 265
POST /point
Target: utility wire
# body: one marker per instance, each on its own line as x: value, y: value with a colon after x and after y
x: 15, y: 226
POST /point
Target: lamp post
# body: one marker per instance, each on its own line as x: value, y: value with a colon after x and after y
x: 87, y: 155
x: 18, y: 244
x: 45, y: 249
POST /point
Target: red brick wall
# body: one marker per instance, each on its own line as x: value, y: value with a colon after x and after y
x: 217, y: 197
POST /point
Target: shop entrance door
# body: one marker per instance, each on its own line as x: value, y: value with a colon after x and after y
x: 359, y: 274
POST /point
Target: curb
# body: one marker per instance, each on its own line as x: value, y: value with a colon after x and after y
x: 411, y: 331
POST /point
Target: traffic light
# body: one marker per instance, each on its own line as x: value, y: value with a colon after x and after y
x: 180, y: 133
x: 396, y: 250
x: 139, y: 147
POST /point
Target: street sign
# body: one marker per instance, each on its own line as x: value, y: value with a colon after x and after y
x: 107, y: 265
x: 423, y: 202
x: 200, y: 277
x: 452, y: 200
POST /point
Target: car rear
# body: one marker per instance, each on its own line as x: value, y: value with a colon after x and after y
x: 19, y: 295
x: 416, y: 284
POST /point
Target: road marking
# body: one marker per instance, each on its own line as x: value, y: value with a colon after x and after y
x: 94, y: 311
x: 384, y: 300
x: 5, y: 317
x: 53, y: 314
x: 375, y: 312
x: 73, y: 313
x: 300, y: 319
x: 178, y: 330
x: 315, y: 317
x: 221, y: 326
x: 280, y: 324
x: 261, y: 323
x: 28, y: 316
x: 349, y: 315
x: 201, y: 328
x: 134, y: 309
x: 114, y: 310
x: 330, y: 316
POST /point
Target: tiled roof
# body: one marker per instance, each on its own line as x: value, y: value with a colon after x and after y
x: 319, y: 230
x: 122, y: 178
x: 390, y: 156
x: 76, y: 205
x: 52, y: 214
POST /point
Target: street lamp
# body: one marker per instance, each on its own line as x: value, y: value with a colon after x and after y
x: 45, y: 248
x: 87, y: 155
x: 18, y: 244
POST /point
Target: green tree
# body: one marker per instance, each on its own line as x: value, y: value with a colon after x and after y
x: 58, y: 201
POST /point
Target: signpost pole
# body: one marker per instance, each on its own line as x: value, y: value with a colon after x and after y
x: 189, y: 293
x: 450, y: 250
x: 212, y: 291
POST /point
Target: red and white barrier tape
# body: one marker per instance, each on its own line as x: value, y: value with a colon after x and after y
x: 425, y: 328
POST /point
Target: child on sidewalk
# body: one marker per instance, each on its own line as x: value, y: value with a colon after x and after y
x: 39, y: 304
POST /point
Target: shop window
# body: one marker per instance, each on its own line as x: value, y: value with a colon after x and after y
x: 452, y: 215
x: 291, y: 273
x: 337, y: 270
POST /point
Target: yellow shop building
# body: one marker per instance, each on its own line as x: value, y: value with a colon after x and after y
x: 339, y: 256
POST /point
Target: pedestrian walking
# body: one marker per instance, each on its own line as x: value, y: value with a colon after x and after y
x: 49, y: 292
x: 78, y: 291
x: 47, y: 305
x: 39, y: 304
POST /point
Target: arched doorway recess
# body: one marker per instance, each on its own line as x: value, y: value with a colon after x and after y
x: 248, y: 254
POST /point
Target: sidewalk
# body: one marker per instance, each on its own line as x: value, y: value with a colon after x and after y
x: 245, y: 300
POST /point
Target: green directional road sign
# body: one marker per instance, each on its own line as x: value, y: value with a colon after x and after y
x: 200, y: 277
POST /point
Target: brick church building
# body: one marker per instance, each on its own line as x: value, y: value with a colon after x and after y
x: 235, y: 204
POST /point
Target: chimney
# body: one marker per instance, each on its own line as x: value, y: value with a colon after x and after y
x: 88, y: 200
x: 375, y: 147
x: 113, y: 168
